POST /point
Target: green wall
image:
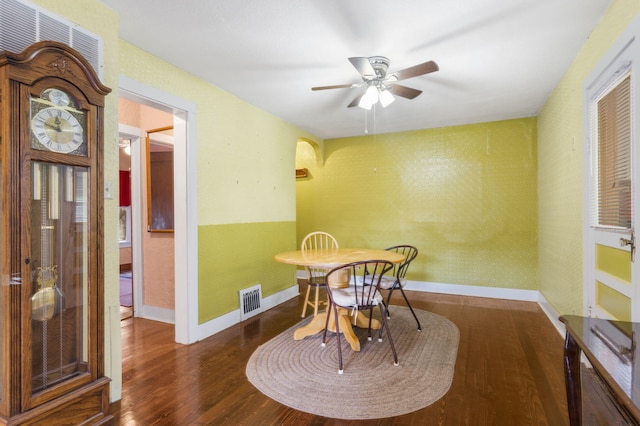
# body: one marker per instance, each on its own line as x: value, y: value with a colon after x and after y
x: 246, y: 185
x: 466, y: 196
x: 560, y: 179
x: 237, y: 256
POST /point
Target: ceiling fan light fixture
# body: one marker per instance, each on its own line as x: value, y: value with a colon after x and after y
x: 369, y: 98
x: 371, y: 94
x: 364, y: 104
x: 386, y: 98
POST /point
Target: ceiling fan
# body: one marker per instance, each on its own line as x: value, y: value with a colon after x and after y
x: 381, y: 86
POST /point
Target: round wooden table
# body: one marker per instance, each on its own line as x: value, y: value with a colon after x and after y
x: 329, y: 259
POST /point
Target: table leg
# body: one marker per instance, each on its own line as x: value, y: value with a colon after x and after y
x: 344, y: 320
x: 573, y: 382
x: 314, y: 327
x: 362, y: 321
x: 317, y: 325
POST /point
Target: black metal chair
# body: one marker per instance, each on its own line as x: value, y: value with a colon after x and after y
x: 395, y: 280
x: 345, y: 293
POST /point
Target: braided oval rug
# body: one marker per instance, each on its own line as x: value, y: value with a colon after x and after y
x: 304, y: 375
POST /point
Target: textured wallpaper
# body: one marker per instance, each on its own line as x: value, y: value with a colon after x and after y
x: 466, y: 196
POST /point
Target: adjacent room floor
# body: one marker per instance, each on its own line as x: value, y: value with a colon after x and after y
x: 126, y: 295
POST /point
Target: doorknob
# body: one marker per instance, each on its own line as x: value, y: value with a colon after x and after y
x: 630, y: 242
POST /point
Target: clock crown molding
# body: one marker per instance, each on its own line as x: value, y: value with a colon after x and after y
x: 60, y: 65
x: 61, y: 59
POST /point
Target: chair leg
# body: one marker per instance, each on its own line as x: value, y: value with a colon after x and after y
x: 335, y: 312
x: 326, y: 326
x: 315, y: 306
x: 385, y: 325
x: 386, y: 312
x: 389, y: 301
x: 370, y: 319
x: 306, y: 301
x: 411, y: 309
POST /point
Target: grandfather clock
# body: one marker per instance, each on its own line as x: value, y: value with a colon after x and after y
x: 51, y: 233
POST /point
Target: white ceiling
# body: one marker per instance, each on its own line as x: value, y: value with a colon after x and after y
x: 498, y: 59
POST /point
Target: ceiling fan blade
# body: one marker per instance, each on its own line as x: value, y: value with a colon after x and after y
x: 404, y: 91
x: 416, y: 70
x: 337, y: 86
x: 364, y: 67
x: 356, y: 101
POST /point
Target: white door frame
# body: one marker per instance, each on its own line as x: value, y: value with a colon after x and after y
x: 624, y: 54
x: 185, y: 201
x: 137, y: 277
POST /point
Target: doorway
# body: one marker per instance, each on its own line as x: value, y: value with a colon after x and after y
x: 611, y: 269
x: 124, y: 228
x: 152, y: 254
x: 185, y: 313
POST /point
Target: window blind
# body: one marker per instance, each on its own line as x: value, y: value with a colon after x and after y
x: 614, y: 156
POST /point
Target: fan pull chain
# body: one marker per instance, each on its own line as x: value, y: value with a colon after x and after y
x: 375, y: 168
x: 366, y: 122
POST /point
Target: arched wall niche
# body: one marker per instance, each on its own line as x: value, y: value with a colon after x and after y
x: 308, y: 152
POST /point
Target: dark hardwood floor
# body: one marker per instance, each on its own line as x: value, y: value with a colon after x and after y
x: 509, y: 371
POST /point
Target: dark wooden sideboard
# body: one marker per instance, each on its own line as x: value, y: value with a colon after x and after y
x: 610, y: 348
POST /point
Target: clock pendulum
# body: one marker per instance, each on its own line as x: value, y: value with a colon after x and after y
x: 48, y: 300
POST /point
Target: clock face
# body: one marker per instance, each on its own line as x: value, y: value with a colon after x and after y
x: 56, y: 125
x: 57, y: 130
x: 58, y: 97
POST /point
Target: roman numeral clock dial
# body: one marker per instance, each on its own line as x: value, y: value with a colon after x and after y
x: 56, y: 125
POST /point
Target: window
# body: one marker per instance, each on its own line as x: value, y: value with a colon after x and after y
x: 612, y: 157
x: 124, y: 227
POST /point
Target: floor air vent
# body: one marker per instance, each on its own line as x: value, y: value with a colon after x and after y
x: 250, y: 302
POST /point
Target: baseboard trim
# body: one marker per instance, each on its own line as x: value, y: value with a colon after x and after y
x: 220, y: 323
x: 552, y: 314
x: 157, y: 314
x: 491, y: 292
x: 227, y: 320
x: 472, y: 290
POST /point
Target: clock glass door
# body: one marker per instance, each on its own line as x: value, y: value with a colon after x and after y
x: 59, y: 273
